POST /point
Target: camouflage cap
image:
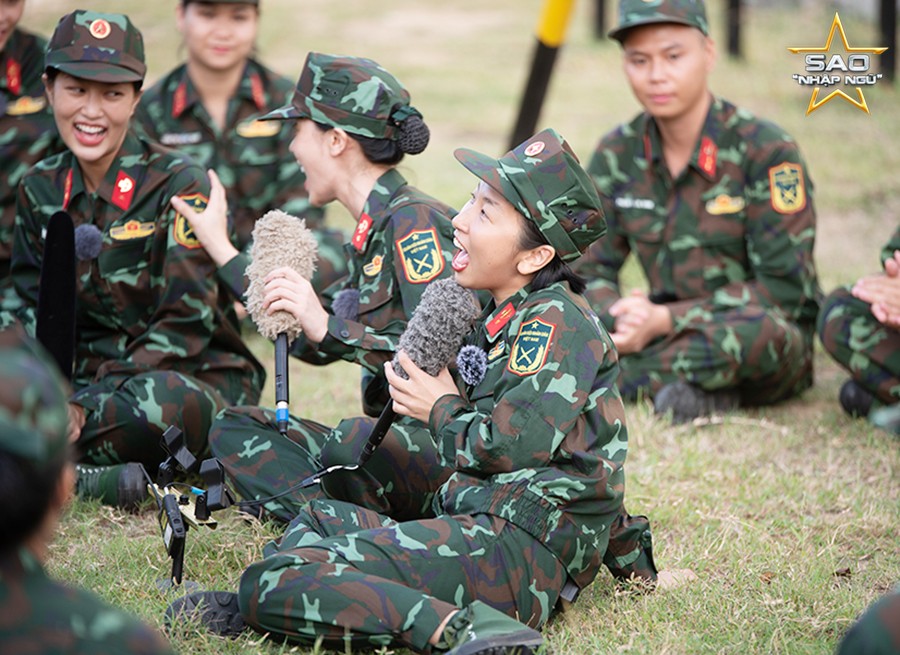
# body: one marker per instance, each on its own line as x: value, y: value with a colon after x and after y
x: 633, y: 13
x: 33, y: 402
x: 97, y: 46
x: 543, y: 179
x: 352, y: 93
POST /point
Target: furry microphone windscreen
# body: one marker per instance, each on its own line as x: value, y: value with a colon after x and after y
x: 279, y: 239
x: 88, y: 241
x: 445, y: 315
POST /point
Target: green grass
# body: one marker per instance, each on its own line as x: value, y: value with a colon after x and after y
x: 788, y: 515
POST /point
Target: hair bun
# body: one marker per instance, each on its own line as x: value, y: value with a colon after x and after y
x: 414, y: 135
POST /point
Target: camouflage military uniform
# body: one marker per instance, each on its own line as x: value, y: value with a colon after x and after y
x: 727, y: 246
x: 27, y: 131
x: 869, y: 350
x: 877, y: 632
x: 520, y: 515
x: 37, y: 614
x: 251, y: 158
x: 402, y: 242
x: 152, y: 346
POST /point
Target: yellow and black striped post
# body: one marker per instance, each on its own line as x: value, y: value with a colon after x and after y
x: 551, y: 32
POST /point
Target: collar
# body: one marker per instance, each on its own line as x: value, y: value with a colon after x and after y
x: 250, y: 89
x: 375, y: 211
x: 704, y: 159
x: 495, y: 318
x: 120, y: 182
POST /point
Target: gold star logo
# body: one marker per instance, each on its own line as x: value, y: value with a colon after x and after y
x: 814, y: 103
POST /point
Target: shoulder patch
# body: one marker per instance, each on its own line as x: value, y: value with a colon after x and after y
x: 420, y: 254
x: 529, y: 350
x: 787, y: 188
x: 181, y: 229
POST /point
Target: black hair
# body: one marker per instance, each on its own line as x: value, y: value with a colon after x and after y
x: 53, y: 72
x: 413, y: 139
x: 26, y: 491
x: 556, y: 270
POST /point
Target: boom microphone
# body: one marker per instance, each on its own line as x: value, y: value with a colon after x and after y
x: 433, y: 336
x: 279, y: 239
x: 55, y: 327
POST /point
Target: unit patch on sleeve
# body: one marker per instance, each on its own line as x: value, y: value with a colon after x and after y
x: 787, y: 189
x: 420, y: 255
x: 181, y: 230
x: 529, y: 350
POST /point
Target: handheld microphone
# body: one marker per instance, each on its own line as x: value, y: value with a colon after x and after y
x: 432, y: 338
x: 55, y: 328
x: 279, y: 239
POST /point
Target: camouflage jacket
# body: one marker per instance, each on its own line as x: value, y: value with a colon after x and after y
x: 541, y: 439
x: 39, y: 615
x: 252, y: 158
x: 149, y: 300
x: 403, y: 240
x: 735, y: 228
x: 894, y: 244
x: 27, y: 130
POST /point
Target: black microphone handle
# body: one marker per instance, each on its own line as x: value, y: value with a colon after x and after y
x: 382, y: 425
x: 55, y: 312
x: 282, y: 407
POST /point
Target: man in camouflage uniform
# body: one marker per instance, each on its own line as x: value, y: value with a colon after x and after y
x: 877, y: 632
x: 155, y: 346
x: 251, y: 157
x: 717, y: 206
x: 537, y: 440
x: 403, y: 241
x: 860, y: 328
x: 27, y: 131
x: 38, y: 614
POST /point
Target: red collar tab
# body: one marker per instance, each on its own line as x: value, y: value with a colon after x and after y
x: 256, y: 88
x: 362, y: 231
x: 124, y: 191
x: 179, y: 100
x: 709, y: 152
x: 67, y: 190
x: 648, y: 148
x: 13, y: 76
x: 500, y: 320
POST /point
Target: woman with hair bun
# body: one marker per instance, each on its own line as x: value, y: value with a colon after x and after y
x: 353, y: 122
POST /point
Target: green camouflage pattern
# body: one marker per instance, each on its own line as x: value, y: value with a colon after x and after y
x: 251, y: 158
x: 34, y: 420
x: 352, y: 93
x: 358, y: 579
x: 543, y: 179
x: 27, y: 130
x: 727, y: 247
x: 877, y: 632
x: 866, y: 348
x: 646, y: 12
x: 157, y: 340
x: 97, y: 46
x: 40, y: 615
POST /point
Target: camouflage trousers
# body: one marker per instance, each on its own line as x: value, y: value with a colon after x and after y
x: 126, y: 416
x: 856, y: 340
x: 752, y: 349
x: 360, y: 579
x: 399, y: 480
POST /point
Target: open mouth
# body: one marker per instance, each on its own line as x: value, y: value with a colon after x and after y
x: 89, y: 134
x: 461, y: 258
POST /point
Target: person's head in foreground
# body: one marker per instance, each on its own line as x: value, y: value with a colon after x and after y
x: 94, y: 73
x: 534, y: 210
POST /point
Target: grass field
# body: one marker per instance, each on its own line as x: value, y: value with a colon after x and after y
x: 788, y: 515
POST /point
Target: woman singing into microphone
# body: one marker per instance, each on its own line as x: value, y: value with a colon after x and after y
x: 353, y: 123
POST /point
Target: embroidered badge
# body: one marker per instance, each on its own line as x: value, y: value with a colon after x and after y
x: 500, y: 319
x: 13, y: 77
x: 529, y: 350
x: 133, y: 229
x: 100, y: 29
x: 497, y: 351
x: 179, y: 100
x: 535, y: 148
x: 420, y: 255
x: 253, y: 129
x: 361, y: 231
x: 709, y: 152
x: 124, y: 191
x: 374, y: 266
x: 26, y: 105
x: 787, y: 189
x: 181, y: 229
x: 725, y: 204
